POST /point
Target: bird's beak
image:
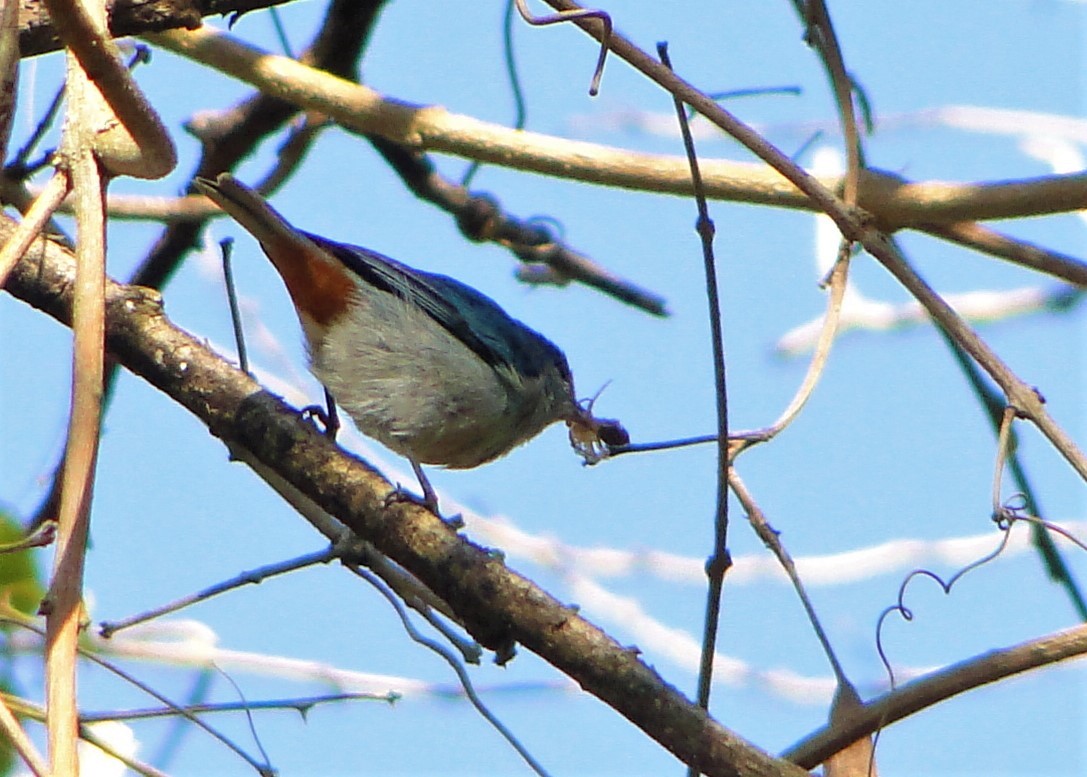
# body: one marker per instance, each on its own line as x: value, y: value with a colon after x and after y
x: 593, y: 438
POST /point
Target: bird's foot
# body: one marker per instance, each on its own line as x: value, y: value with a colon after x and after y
x: 329, y: 420
x: 325, y: 422
x: 428, y: 501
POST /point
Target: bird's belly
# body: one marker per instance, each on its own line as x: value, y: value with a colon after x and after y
x: 436, y: 403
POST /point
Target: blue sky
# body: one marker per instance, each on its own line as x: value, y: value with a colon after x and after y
x: 891, y: 447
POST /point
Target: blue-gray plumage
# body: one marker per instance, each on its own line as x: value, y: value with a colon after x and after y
x: 424, y: 364
x: 473, y: 318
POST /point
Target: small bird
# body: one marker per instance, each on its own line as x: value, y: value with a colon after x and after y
x: 429, y: 367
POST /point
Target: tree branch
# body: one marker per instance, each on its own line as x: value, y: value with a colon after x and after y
x: 856, y: 226
x: 937, y: 687
x: 499, y: 607
x: 894, y: 202
x: 38, y: 35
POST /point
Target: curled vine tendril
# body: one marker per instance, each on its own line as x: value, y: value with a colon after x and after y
x: 1005, y: 516
x: 569, y: 16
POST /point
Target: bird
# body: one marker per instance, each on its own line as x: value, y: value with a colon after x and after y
x: 431, y: 368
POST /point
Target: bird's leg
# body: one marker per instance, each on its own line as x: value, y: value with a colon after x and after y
x: 430, y: 496
x: 332, y: 420
x: 429, y: 500
x: 329, y: 418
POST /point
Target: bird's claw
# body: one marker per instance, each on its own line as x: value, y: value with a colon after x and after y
x: 400, y: 495
x: 325, y: 422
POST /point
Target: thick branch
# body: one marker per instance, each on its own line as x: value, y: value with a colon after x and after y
x: 130, y: 137
x: 937, y: 687
x: 498, y: 606
x: 37, y: 35
x: 895, y: 203
x: 230, y: 136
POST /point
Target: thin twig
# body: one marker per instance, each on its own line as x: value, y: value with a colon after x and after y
x: 7, y: 615
x: 300, y: 705
x: 358, y: 552
x: 418, y: 596
x: 946, y: 585
x: 720, y: 560
x: 18, y: 166
x: 481, y: 217
x: 569, y: 16
x: 37, y: 713
x: 45, y: 205
x: 458, y: 668
x: 1003, y: 450
x: 404, y: 584
x: 226, y: 247
x: 171, y: 742
x: 19, y: 740
x: 838, y: 280
x: 520, y: 112
x: 821, y: 35
x: 996, y: 410
x: 1023, y: 397
x: 513, y: 77
x: 250, y: 577
x: 770, y: 538
x: 301, y: 136
x: 987, y: 240
x: 741, y: 440
x: 41, y: 537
